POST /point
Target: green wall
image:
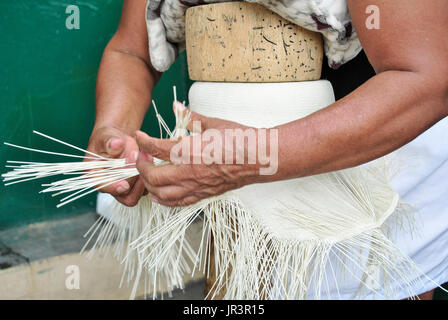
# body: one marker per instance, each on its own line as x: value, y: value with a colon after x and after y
x: 47, y: 83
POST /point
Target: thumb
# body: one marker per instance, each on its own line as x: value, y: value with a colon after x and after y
x: 114, y: 145
x: 158, y: 148
x: 110, y: 141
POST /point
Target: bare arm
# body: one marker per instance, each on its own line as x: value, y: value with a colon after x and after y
x: 126, y: 77
x: 123, y: 94
x: 408, y: 95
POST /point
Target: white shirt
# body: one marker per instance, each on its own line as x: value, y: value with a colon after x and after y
x: 425, y: 186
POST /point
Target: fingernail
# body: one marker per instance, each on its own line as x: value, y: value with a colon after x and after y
x: 154, y: 199
x: 146, y: 156
x: 112, y: 144
x: 134, y: 156
x: 122, y: 188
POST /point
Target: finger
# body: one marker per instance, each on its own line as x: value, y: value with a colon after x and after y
x: 137, y: 191
x: 158, y: 148
x: 120, y: 188
x: 155, y: 175
x: 131, y: 156
x: 114, y: 146
x: 123, y: 188
x: 189, y: 200
x: 109, y: 141
x: 168, y: 193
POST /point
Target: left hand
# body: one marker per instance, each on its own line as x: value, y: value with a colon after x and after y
x: 198, y: 173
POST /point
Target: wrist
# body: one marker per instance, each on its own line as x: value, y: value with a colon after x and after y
x: 120, y: 117
x: 261, y: 157
x: 267, y: 154
x: 118, y: 125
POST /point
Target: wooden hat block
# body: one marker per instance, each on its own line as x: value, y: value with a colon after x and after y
x: 245, y: 42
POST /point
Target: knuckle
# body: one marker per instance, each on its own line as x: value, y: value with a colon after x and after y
x: 164, y: 195
x: 197, y: 172
x: 156, y: 192
x: 131, y: 202
x: 161, y: 196
x: 123, y: 201
x: 155, y: 152
x: 106, y: 190
x: 144, y: 174
x: 154, y: 179
x: 140, y: 167
x: 188, y: 201
x: 171, y: 204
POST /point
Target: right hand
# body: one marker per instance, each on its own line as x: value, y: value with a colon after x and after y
x: 112, y: 143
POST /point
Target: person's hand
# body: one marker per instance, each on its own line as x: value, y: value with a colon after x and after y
x: 113, y: 143
x: 185, y: 181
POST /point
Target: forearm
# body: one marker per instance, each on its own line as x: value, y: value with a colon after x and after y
x: 407, y: 96
x: 385, y: 113
x: 124, y: 89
